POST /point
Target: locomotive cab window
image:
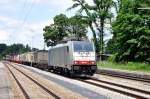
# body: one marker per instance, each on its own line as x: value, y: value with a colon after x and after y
x: 83, y: 47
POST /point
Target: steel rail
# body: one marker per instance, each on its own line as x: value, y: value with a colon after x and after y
x: 126, y: 77
x: 19, y: 84
x: 137, y: 96
x: 123, y: 86
x: 36, y: 82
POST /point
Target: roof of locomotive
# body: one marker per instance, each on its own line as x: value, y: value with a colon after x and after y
x: 66, y: 44
x: 41, y: 51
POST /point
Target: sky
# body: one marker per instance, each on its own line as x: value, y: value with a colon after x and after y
x: 22, y: 21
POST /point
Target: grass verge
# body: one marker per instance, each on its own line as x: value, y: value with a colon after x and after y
x: 131, y: 66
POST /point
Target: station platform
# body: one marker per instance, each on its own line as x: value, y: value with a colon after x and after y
x: 5, y: 88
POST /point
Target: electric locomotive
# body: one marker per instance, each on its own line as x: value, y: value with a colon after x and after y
x: 73, y: 57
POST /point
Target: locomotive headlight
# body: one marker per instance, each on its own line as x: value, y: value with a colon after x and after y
x: 76, y: 67
x: 93, y: 67
x: 76, y: 62
x: 93, y: 62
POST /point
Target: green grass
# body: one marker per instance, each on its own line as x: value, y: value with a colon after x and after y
x: 131, y: 66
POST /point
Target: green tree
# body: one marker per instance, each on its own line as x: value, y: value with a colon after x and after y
x: 102, y: 14
x: 64, y: 27
x: 131, y: 32
x: 110, y: 48
x: 89, y: 19
x: 97, y: 15
x: 61, y: 23
x: 78, y: 27
x: 57, y: 31
x: 50, y: 35
x: 27, y: 48
x: 16, y: 49
x: 2, y: 47
x: 13, y: 49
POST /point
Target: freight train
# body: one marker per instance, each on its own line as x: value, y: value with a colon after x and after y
x: 73, y: 58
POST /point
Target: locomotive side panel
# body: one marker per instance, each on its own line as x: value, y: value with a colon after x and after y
x: 59, y: 57
x: 64, y: 57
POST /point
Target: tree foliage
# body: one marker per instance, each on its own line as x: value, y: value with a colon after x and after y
x: 13, y: 49
x: 97, y: 15
x: 63, y: 27
x: 2, y: 47
x: 77, y: 26
x: 110, y: 48
x: 57, y: 31
x: 131, y: 32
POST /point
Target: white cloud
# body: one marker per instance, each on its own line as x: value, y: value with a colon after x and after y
x: 89, y: 2
x: 4, y: 35
x: 9, y: 22
x: 32, y: 32
x: 17, y: 31
x: 58, y: 3
x: 29, y: 32
x: 10, y: 5
x: 14, y: 30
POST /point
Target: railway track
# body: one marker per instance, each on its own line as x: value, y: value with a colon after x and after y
x: 18, y: 83
x: 25, y: 93
x: 122, y: 89
x: 125, y: 75
x: 119, y: 88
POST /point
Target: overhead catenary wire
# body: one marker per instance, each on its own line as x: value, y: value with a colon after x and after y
x: 20, y: 24
x: 26, y: 15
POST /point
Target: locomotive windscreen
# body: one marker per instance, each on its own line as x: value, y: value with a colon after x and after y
x: 83, y: 47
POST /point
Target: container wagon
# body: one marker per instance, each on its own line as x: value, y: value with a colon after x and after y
x: 27, y: 58
x: 41, y: 59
